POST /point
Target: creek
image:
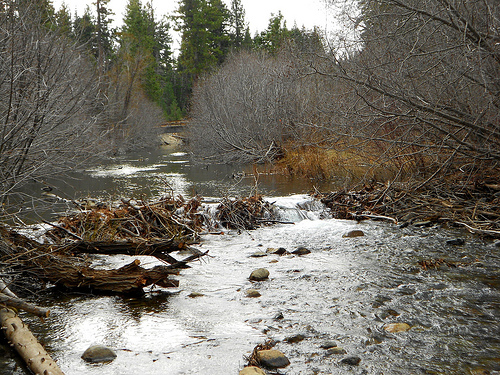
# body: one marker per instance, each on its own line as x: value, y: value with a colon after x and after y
x: 346, y: 290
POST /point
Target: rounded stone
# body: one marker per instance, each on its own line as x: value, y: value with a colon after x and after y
x: 252, y: 293
x: 301, y: 251
x: 277, y: 251
x: 272, y: 358
x: 258, y: 254
x: 98, y: 353
x: 252, y: 370
x: 259, y: 274
x: 397, y: 327
x: 295, y: 338
x: 335, y: 351
x: 353, y: 361
x: 195, y: 295
x: 328, y: 345
x: 354, y: 233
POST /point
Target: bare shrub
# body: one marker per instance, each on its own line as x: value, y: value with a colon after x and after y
x: 242, y: 112
x: 425, y: 83
x: 48, y: 99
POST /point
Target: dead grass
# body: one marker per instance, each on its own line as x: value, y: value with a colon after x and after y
x: 327, y: 164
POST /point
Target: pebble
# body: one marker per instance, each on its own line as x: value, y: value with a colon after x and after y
x: 252, y: 370
x: 195, y: 295
x: 353, y: 361
x: 278, y: 251
x: 354, y: 233
x: 252, y: 293
x: 335, y: 351
x: 295, y: 338
x: 397, y: 327
x: 258, y: 254
x: 328, y: 345
x: 259, y: 274
x: 272, y: 358
x: 301, y: 251
x: 98, y: 354
x: 279, y: 316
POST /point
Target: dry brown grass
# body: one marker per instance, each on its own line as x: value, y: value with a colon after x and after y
x: 326, y: 164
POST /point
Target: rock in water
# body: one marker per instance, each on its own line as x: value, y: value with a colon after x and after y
x: 277, y: 251
x: 98, y: 354
x: 301, y: 251
x: 335, y: 351
x: 397, y: 327
x: 354, y: 233
x: 272, y: 358
x: 328, y: 345
x: 252, y: 370
x: 259, y: 274
x: 295, y: 338
x: 353, y: 361
x: 252, y: 293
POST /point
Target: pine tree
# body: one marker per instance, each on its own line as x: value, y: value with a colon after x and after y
x: 273, y: 37
x: 145, y: 45
x: 84, y: 30
x: 238, y: 26
x: 204, y: 40
x: 63, y: 21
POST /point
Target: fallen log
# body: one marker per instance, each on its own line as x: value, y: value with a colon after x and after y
x: 125, y: 247
x: 36, y: 357
x: 23, y: 305
x: 129, y: 279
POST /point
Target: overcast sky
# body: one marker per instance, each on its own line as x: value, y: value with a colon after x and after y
x: 308, y: 13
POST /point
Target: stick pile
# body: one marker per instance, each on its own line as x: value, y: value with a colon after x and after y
x: 475, y: 206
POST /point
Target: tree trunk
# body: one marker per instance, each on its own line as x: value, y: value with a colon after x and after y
x: 20, y: 337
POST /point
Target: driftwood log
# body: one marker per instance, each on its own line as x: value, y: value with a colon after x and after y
x: 58, y: 264
x: 28, y: 347
x: 131, y: 278
x: 23, y: 305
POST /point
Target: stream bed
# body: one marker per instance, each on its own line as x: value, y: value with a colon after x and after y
x: 346, y: 290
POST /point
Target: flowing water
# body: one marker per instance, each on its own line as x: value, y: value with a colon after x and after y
x: 346, y: 290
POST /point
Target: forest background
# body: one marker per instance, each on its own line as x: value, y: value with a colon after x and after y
x: 409, y: 90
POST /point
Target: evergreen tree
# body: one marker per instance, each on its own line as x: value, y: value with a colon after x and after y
x: 237, y: 24
x: 104, y: 33
x: 204, y: 40
x: 84, y: 30
x: 63, y: 21
x: 146, y: 43
x: 273, y: 37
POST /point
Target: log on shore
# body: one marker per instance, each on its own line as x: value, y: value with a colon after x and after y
x: 23, y: 341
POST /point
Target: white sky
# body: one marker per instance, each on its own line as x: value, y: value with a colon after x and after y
x: 308, y: 13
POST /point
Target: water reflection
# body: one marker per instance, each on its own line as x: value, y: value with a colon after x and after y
x: 166, y: 170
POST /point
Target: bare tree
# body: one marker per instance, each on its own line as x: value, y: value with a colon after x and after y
x: 243, y: 111
x: 423, y: 81
x: 48, y: 95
